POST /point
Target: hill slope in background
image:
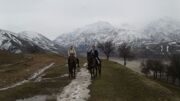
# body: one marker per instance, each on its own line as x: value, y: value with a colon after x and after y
x: 38, y: 40
x: 11, y: 42
x: 25, y: 42
x: 100, y: 31
x: 165, y: 29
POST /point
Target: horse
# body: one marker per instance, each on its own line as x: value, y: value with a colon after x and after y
x: 72, y: 62
x: 93, y: 66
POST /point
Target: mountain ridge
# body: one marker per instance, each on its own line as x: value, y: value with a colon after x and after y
x: 25, y: 41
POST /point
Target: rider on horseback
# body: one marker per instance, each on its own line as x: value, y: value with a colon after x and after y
x: 72, y: 53
x: 95, y: 54
x: 94, y: 63
x: 72, y: 61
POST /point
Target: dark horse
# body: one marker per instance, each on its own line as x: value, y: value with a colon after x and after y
x: 72, y: 61
x: 93, y: 66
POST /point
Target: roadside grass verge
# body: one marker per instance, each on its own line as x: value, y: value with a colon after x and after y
x: 119, y: 83
x: 47, y: 87
x: 51, y: 86
x: 23, y: 66
x: 44, y: 87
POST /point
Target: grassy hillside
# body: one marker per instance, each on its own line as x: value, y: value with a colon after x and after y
x: 17, y: 67
x: 9, y: 58
x: 52, y: 83
x: 118, y: 83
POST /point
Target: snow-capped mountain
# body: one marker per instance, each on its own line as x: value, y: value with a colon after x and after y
x: 9, y: 41
x: 87, y: 34
x: 165, y: 29
x: 26, y: 42
x: 97, y: 32
x: 39, y: 40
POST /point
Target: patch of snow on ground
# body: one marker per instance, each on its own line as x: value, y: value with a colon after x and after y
x: 77, y: 90
x: 34, y: 76
x: 85, y: 64
x: 65, y: 75
x: 35, y: 98
x: 18, y: 51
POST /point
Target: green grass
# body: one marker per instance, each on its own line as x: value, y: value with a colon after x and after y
x: 56, y: 71
x: 47, y: 87
x: 21, y: 68
x: 173, y: 88
x: 9, y: 58
x: 118, y: 83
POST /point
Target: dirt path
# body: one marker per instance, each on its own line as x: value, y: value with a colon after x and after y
x: 77, y: 90
x: 33, y: 77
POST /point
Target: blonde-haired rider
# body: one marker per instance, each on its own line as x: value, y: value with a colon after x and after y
x: 72, y: 53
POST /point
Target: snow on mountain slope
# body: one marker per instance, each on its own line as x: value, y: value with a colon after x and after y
x: 91, y: 34
x: 166, y: 29
x: 39, y: 40
x: 10, y: 41
x: 26, y: 42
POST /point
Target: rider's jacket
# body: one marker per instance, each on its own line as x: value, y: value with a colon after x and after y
x: 94, y: 53
x: 72, y: 52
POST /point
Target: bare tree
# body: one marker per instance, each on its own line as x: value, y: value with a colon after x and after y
x: 156, y: 66
x: 144, y: 68
x: 124, y: 51
x: 107, y: 48
x: 174, y: 70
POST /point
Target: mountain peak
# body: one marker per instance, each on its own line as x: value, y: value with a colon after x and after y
x: 29, y: 34
x: 100, y: 24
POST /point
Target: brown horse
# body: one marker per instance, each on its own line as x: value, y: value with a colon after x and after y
x: 72, y: 62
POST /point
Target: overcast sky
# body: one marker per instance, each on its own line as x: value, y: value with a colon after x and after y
x: 54, y: 17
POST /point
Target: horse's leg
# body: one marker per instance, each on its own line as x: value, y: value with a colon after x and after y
x: 96, y: 68
x: 99, y: 69
x: 69, y: 72
x: 75, y: 71
x: 94, y: 72
x: 77, y: 62
x: 72, y: 72
x: 91, y: 71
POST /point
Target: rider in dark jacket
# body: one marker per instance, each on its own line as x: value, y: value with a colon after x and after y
x: 95, y: 53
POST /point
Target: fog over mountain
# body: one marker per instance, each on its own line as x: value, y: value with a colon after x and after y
x: 55, y: 17
x: 164, y: 32
x: 164, y: 29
